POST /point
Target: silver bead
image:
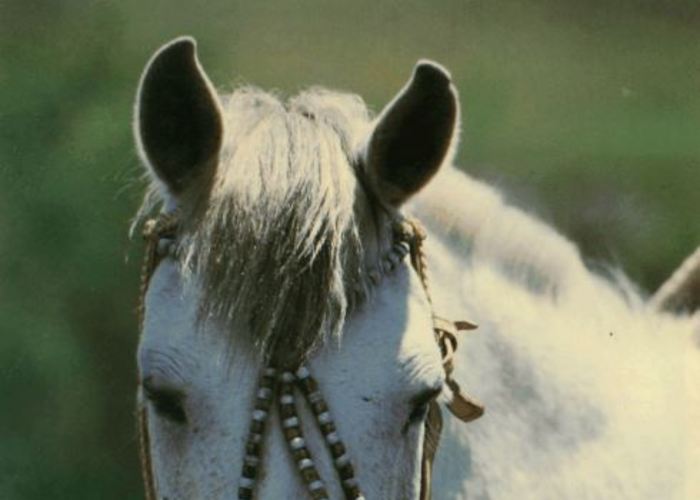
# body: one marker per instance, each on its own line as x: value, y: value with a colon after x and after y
x: 290, y: 422
x: 297, y: 443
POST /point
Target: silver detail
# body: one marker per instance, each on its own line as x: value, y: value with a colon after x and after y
x: 305, y: 463
x: 259, y: 415
x: 290, y: 422
x: 316, y: 485
x: 297, y: 443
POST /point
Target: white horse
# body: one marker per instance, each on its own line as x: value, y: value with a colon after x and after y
x: 284, y: 221
x: 590, y: 390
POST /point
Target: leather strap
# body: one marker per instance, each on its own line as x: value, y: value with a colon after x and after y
x: 145, y: 455
x: 431, y: 441
x: 461, y: 405
x: 165, y: 226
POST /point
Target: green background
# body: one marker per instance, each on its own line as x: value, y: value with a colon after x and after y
x: 584, y: 112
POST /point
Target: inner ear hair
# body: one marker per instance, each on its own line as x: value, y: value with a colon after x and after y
x: 178, y: 120
x: 413, y: 135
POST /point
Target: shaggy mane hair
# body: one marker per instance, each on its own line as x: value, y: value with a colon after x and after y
x: 277, y: 243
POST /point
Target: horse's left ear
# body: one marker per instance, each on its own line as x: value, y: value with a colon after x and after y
x: 413, y: 135
x: 177, y: 122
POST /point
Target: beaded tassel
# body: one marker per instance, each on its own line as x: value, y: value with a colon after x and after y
x: 341, y: 460
x: 160, y: 235
x: 253, y: 447
x: 291, y: 428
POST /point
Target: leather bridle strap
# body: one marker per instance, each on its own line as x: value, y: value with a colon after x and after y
x: 155, y: 232
x: 145, y: 454
x: 460, y: 404
x: 160, y: 234
x: 431, y: 441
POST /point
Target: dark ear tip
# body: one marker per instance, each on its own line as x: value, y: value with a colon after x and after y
x: 182, y: 46
x: 430, y: 72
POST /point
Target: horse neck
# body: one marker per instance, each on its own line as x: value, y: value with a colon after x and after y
x: 544, y: 357
x: 487, y: 229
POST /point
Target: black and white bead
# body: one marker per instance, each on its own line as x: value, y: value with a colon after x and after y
x: 253, y: 448
x: 293, y: 435
x: 341, y: 460
x: 284, y: 383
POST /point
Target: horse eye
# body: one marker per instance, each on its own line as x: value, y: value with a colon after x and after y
x: 420, y: 404
x: 167, y: 402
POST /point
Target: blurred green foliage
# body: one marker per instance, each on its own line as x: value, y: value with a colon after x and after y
x: 586, y: 112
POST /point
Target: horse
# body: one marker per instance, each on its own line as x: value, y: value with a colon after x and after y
x: 292, y: 346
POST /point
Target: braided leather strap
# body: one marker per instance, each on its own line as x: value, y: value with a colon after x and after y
x: 155, y: 231
x: 460, y: 405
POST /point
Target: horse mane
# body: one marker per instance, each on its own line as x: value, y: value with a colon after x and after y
x: 485, y: 229
x: 476, y: 216
x: 277, y: 244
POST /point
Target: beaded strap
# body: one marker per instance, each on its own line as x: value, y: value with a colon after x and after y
x: 285, y: 383
x: 253, y: 447
x: 408, y: 238
x: 293, y: 436
x: 341, y: 460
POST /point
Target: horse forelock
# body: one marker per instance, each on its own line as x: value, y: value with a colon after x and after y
x: 277, y: 244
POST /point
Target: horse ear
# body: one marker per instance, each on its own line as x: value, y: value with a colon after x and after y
x: 413, y: 135
x: 682, y: 290
x: 178, y: 123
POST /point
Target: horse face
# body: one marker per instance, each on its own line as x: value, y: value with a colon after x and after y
x: 198, y: 391
x: 198, y: 379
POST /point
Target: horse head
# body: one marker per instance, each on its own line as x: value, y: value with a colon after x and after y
x: 279, y: 252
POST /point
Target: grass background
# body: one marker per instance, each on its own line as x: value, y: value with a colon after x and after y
x: 586, y: 112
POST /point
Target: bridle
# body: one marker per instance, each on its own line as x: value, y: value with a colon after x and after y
x: 283, y: 384
x: 160, y: 234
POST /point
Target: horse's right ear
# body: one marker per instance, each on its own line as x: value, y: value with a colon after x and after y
x: 413, y: 136
x: 178, y: 123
